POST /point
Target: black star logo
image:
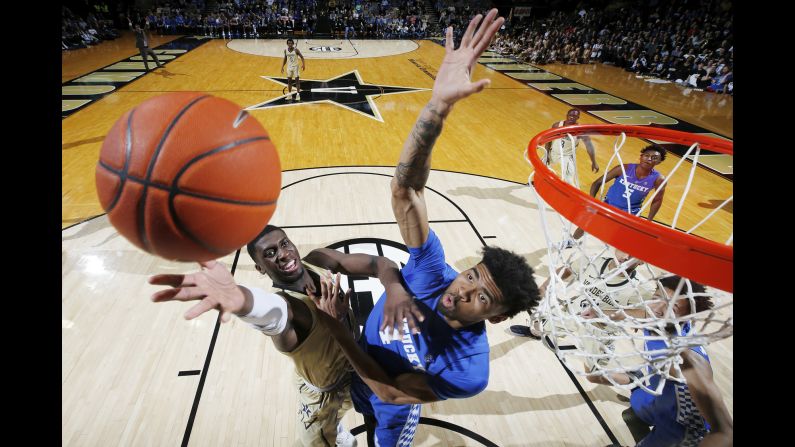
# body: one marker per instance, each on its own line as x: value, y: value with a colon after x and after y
x: 346, y: 90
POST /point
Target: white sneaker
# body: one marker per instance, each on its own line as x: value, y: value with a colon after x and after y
x: 297, y: 96
x: 344, y: 437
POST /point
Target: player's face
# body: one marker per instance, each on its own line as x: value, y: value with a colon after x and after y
x: 662, y: 296
x: 572, y: 116
x: 650, y: 159
x: 290, y: 44
x: 472, y: 297
x: 277, y: 257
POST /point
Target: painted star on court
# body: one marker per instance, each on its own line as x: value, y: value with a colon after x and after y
x: 346, y: 90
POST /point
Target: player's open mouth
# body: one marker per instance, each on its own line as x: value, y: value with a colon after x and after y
x: 290, y: 267
x: 448, y: 301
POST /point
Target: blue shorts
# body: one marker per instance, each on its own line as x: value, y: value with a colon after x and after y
x: 395, y: 424
x: 623, y: 207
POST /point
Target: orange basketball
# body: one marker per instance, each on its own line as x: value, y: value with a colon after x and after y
x: 188, y: 176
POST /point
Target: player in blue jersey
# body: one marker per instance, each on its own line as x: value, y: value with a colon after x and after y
x: 444, y: 353
x: 684, y: 414
x: 628, y: 192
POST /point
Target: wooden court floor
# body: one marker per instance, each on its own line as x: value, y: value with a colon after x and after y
x: 123, y: 355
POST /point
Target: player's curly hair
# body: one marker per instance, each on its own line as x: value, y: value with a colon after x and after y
x: 655, y: 147
x: 703, y: 302
x: 514, y: 278
x: 251, y: 246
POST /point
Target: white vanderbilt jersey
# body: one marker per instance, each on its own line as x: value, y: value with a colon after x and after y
x: 622, y: 290
x: 292, y: 59
x: 563, y: 146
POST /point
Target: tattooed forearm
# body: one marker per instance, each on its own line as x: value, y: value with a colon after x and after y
x: 414, y: 166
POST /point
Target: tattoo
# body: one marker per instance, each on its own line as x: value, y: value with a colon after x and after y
x: 414, y: 173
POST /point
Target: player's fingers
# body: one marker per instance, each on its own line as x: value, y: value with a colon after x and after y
x: 167, y: 280
x: 336, y: 283
x: 311, y: 294
x: 200, y: 308
x: 477, y: 33
x: 225, y: 317
x: 470, y: 31
x: 485, y: 38
x: 476, y: 86
x: 179, y: 294
x: 448, y: 40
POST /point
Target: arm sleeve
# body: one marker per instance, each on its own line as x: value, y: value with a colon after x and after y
x: 425, y: 270
x: 269, y: 314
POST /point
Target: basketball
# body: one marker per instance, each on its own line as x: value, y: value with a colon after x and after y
x: 188, y: 176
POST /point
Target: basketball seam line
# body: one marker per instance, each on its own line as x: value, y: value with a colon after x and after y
x: 172, y: 208
x: 187, y: 193
x: 123, y: 173
x: 151, y: 168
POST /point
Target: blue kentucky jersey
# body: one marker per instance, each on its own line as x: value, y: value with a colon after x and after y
x: 676, y: 420
x: 456, y: 362
x: 630, y: 187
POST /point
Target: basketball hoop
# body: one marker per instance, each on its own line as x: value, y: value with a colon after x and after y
x: 608, y: 304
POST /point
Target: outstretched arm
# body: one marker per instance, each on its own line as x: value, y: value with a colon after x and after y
x: 452, y: 84
x: 215, y: 288
x: 399, y: 303
x: 708, y: 399
x: 658, y: 199
x: 613, y: 173
x: 303, y: 63
x: 589, y: 149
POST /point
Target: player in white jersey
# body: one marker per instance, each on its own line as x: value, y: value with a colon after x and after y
x: 562, y: 150
x: 291, y: 55
x: 623, y: 289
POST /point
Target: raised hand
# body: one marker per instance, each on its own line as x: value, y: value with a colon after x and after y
x: 213, y: 286
x: 453, y: 81
x: 330, y: 302
x: 400, y: 306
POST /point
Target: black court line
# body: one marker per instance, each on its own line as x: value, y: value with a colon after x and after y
x: 443, y: 424
x: 341, y: 166
x: 83, y: 221
x: 204, y: 370
x: 366, y: 223
x: 591, y: 405
x: 489, y: 237
x: 393, y: 167
x: 193, y: 372
x: 468, y: 220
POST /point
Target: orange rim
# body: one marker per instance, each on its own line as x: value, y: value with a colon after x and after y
x: 687, y: 255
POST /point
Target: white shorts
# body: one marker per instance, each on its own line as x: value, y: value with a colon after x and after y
x: 292, y: 72
x: 568, y: 166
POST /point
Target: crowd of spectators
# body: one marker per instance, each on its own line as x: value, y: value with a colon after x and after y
x: 689, y: 42
x: 379, y: 19
x: 82, y: 31
x: 242, y: 19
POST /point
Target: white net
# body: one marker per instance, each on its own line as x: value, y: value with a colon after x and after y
x: 615, y: 318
